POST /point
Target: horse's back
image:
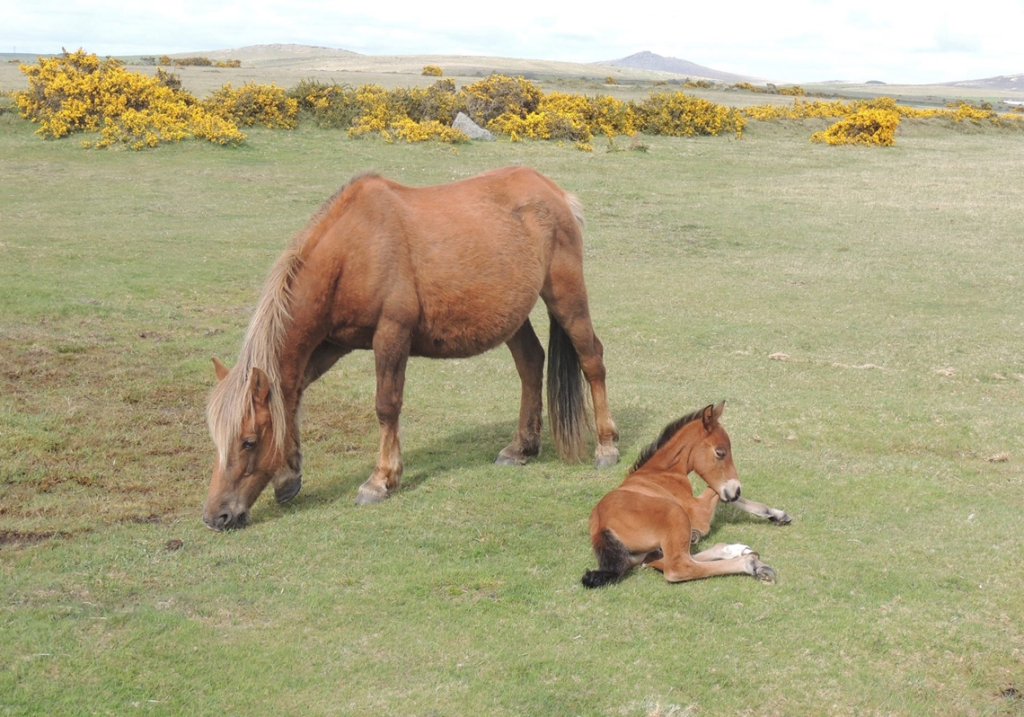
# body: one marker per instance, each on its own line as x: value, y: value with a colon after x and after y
x: 466, y: 260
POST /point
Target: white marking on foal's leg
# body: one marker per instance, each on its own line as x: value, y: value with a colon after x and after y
x: 735, y: 550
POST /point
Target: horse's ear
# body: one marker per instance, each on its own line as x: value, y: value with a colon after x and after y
x: 259, y: 386
x: 221, y: 369
x: 711, y: 414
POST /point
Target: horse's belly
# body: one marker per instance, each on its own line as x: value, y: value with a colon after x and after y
x: 460, y: 331
x: 467, y: 312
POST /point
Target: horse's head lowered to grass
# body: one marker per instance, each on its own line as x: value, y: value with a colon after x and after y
x: 250, y: 452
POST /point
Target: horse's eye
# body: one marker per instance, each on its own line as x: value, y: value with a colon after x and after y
x: 720, y: 453
x: 248, y: 444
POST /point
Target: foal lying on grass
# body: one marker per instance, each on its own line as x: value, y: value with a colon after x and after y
x: 654, y: 517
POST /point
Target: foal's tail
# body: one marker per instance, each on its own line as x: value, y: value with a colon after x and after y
x: 613, y: 560
x: 567, y: 404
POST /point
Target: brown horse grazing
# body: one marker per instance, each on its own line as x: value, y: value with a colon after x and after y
x: 654, y: 517
x: 444, y: 272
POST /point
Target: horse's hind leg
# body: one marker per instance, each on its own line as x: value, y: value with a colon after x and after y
x: 528, y: 355
x: 567, y: 303
x: 391, y: 353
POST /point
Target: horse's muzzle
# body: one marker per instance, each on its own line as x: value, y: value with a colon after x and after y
x: 225, y: 520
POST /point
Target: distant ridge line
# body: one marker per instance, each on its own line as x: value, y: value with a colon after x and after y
x: 647, y: 60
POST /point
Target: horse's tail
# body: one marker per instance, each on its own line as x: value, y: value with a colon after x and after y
x: 613, y: 560
x: 567, y: 404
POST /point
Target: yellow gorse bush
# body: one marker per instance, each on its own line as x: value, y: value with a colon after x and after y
x: 252, y: 104
x: 680, y: 115
x: 76, y: 92
x: 870, y: 126
x: 874, y: 121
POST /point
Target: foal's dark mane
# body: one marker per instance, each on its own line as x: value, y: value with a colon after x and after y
x: 666, y: 434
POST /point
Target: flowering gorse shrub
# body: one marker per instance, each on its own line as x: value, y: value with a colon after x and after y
x: 330, y: 105
x: 432, y: 71
x: 873, y: 121
x: 77, y: 92
x: 679, y: 115
x: 871, y: 126
x: 499, y: 95
x: 252, y: 104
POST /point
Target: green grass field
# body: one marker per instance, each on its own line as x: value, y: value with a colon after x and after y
x: 858, y: 308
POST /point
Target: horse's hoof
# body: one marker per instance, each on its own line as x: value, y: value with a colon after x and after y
x: 368, y: 496
x: 505, y: 459
x: 783, y: 519
x: 285, y: 493
x: 765, y: 574
x: 606, y: 456
x: 695, y: 537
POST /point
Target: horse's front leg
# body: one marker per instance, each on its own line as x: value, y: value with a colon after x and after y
x: 761, y: 510
x: 391, y: 351
x: 528, y: 355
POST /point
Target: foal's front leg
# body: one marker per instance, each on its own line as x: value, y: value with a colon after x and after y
x: 761, y: 510
x: 391, y: 352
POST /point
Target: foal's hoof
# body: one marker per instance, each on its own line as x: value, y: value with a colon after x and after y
x: 778, y: 517
x: 370, y: 494
x: 765, y: 574
x: 283, y: 494
x: 606, y: 456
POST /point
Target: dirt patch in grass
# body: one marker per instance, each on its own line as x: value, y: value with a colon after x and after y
x: 15, y: 539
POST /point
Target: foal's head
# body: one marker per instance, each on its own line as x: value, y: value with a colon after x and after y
x: 248, y: 456
x: 711, y: 458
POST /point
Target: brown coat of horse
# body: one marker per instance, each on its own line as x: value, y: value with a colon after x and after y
x: 654, y: 517
x: 443, y: 272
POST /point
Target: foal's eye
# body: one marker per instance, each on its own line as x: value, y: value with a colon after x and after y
x: 248, y: 444
x: 720, y: 453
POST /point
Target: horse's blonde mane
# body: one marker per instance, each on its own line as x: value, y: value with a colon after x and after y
x: 231, y: 401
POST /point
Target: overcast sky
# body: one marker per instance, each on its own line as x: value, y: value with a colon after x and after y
x: 896, y: 41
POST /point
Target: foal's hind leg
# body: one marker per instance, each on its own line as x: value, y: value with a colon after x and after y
x: 529, y: 357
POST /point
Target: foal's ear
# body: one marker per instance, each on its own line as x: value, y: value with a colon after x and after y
x: 221, y: 369
x: 259, y: 386
x: 711, y: 414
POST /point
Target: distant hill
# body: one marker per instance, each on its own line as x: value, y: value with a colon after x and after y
x: 650, y: 61
x: 1010, y: 83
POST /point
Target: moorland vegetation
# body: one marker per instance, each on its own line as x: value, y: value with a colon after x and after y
x: 77, y: 92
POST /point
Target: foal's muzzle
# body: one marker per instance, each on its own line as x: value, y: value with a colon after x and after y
x: 730, y: 491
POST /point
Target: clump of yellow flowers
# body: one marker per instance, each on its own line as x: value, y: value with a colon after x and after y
x: 77, y: 92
